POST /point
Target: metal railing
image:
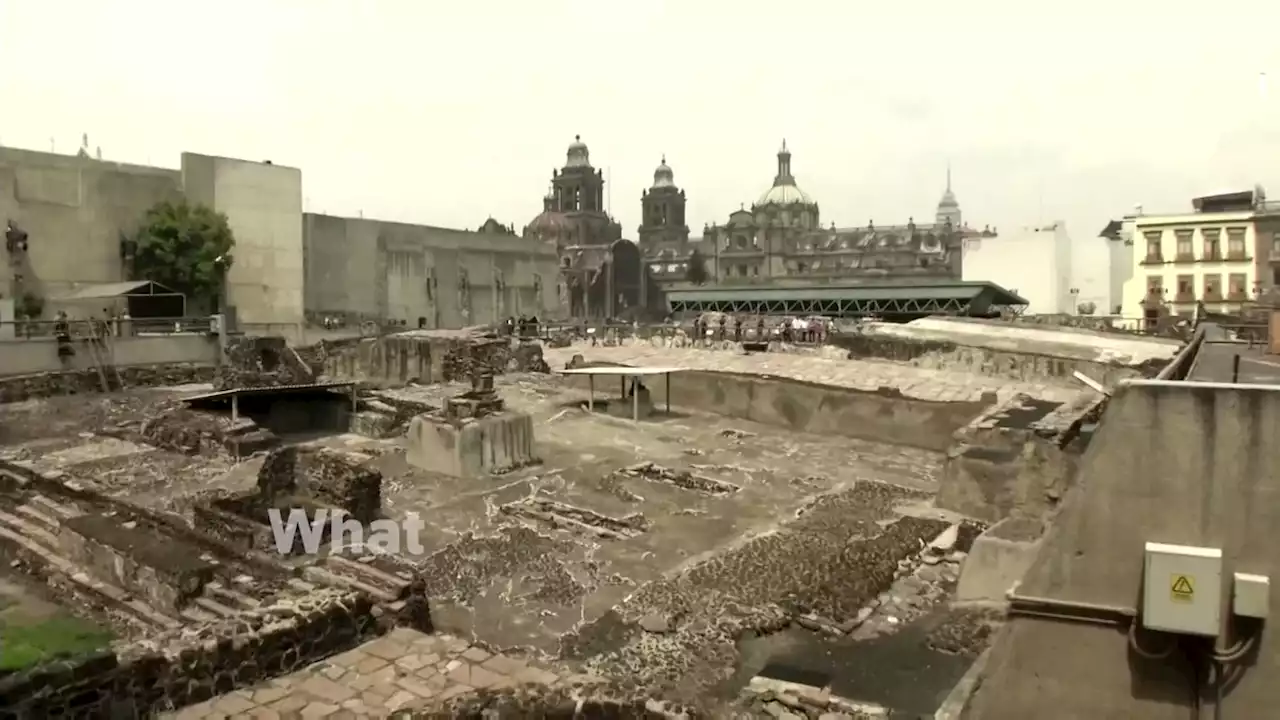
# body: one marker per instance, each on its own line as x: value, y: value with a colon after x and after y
x: 18, y: 330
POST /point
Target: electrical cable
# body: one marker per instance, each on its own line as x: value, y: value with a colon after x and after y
x: 1147, y: 654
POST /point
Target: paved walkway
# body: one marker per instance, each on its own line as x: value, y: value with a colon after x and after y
x: 399, y: 671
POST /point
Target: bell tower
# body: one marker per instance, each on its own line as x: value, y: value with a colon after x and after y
x: 662, y: 211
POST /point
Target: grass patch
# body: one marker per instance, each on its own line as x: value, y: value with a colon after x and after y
x: 33, y: 642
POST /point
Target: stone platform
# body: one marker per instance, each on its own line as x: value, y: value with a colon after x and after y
x: 475, y: 435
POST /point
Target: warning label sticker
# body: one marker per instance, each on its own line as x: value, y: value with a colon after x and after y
x: 1182, y: 588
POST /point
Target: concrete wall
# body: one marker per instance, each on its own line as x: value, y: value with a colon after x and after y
x: 452, y: 278
x: 24, y: 357
x: 882, y: 416
x: 1185, y: 463
x: 263, y: 204
x: 74, y: 210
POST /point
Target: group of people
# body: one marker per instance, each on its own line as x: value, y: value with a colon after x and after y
x: 525, y: 326
x: 788, y: 330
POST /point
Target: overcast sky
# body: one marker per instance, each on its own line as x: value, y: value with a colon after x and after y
x: 448, y: 113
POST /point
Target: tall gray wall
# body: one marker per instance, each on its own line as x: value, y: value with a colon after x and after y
x: 74, y: 210
x: 360, y: 268
x: 1181, y: 463
x: 263, y: 205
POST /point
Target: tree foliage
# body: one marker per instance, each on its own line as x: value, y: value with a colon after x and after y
x: 696, y: 273
x: 1086, y: 308
x: 184, y: 246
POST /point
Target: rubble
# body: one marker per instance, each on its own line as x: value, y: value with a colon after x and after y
x: 19, y: 388
x: 261, y: 362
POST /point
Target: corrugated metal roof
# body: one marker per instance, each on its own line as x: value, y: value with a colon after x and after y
x: 100, y: 291
x: 901, y: 291
x: 268, y: 390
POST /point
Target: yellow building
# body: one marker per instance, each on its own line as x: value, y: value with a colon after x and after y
x: 1220, y: 255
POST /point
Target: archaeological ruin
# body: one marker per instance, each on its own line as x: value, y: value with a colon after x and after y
x: 821, y: 531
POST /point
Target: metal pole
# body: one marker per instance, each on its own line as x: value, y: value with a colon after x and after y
x: 635, y: 400
x: 1235, y: 369
x: 235, y: 409
x: 591, y: 393
x: 668, y: 393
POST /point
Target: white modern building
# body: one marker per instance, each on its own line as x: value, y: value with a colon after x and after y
x: 1044, y: 266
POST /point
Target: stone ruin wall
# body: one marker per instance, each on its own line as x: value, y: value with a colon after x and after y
x: 399, y: 359
x: 261, y: 362
x: 170, y: 669
x: 333, y: 478
x: 191, y: 665
x: 19, y: 388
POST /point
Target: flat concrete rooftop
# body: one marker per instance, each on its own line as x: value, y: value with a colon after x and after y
x: 1075, y: 343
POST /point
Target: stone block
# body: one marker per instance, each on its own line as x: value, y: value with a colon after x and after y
x: 490, y: 445
x: 334, y: 478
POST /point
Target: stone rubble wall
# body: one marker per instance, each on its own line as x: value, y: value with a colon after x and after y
x: 58, y: 487
x: 196, y: 432
x: 261, y: 362
x: 999, y: 467
x: 453, y: 357
x: 334, y: 478
x: 190, y: 665
x: 19, y: 388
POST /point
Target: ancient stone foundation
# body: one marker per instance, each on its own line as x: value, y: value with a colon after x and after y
x: 333, y: 478
x: 73, y: 382
x: 261, y: 362
x: 184, y: 667
x: 491, y: 445
x: 475, y: 435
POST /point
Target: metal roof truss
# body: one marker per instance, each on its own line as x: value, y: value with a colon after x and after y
x: 830, y: 307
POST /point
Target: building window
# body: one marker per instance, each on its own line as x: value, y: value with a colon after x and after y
x: 1155, y: 286
x: 1153, y: 247
x: 1237, y: 286
x: 802, y: 268
x: 1235, y: 244
x: 1186, y: 289
x: 755, y: 271
x: 1212, y: 243
x: 1212, y: 287
x: 1185, y: 251
x: 1275, y: 245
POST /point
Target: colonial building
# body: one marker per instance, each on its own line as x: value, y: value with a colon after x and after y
x: 1221, y: 254
x: 601, y: 274
x: 781, y: 240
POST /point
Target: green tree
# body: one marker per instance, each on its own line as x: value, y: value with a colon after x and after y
x: 696, y: 272
x: 184, y: 246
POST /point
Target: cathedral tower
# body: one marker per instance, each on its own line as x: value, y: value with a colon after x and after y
x: 662, y: 211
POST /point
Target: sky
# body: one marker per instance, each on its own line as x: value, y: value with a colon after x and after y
x: 449, y: 113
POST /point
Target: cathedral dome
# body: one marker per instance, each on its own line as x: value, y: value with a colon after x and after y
x: 578, y: 155
x: 784, y: 190
x: 663, y: 177
x: 785, y: 195
x: 549, y: 224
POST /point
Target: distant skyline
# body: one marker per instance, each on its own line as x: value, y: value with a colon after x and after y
x: 449, y: 114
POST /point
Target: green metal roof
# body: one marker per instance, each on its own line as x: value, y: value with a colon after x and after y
x: 888, y: 291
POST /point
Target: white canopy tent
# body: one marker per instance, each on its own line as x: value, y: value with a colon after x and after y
x: 622, y: 373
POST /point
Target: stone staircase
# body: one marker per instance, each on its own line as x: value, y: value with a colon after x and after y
x: 387, y: 588
x: 30, y: 532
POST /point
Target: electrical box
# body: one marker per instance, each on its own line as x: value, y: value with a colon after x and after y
x: 1251, y: 596
x: 1182, y: 589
